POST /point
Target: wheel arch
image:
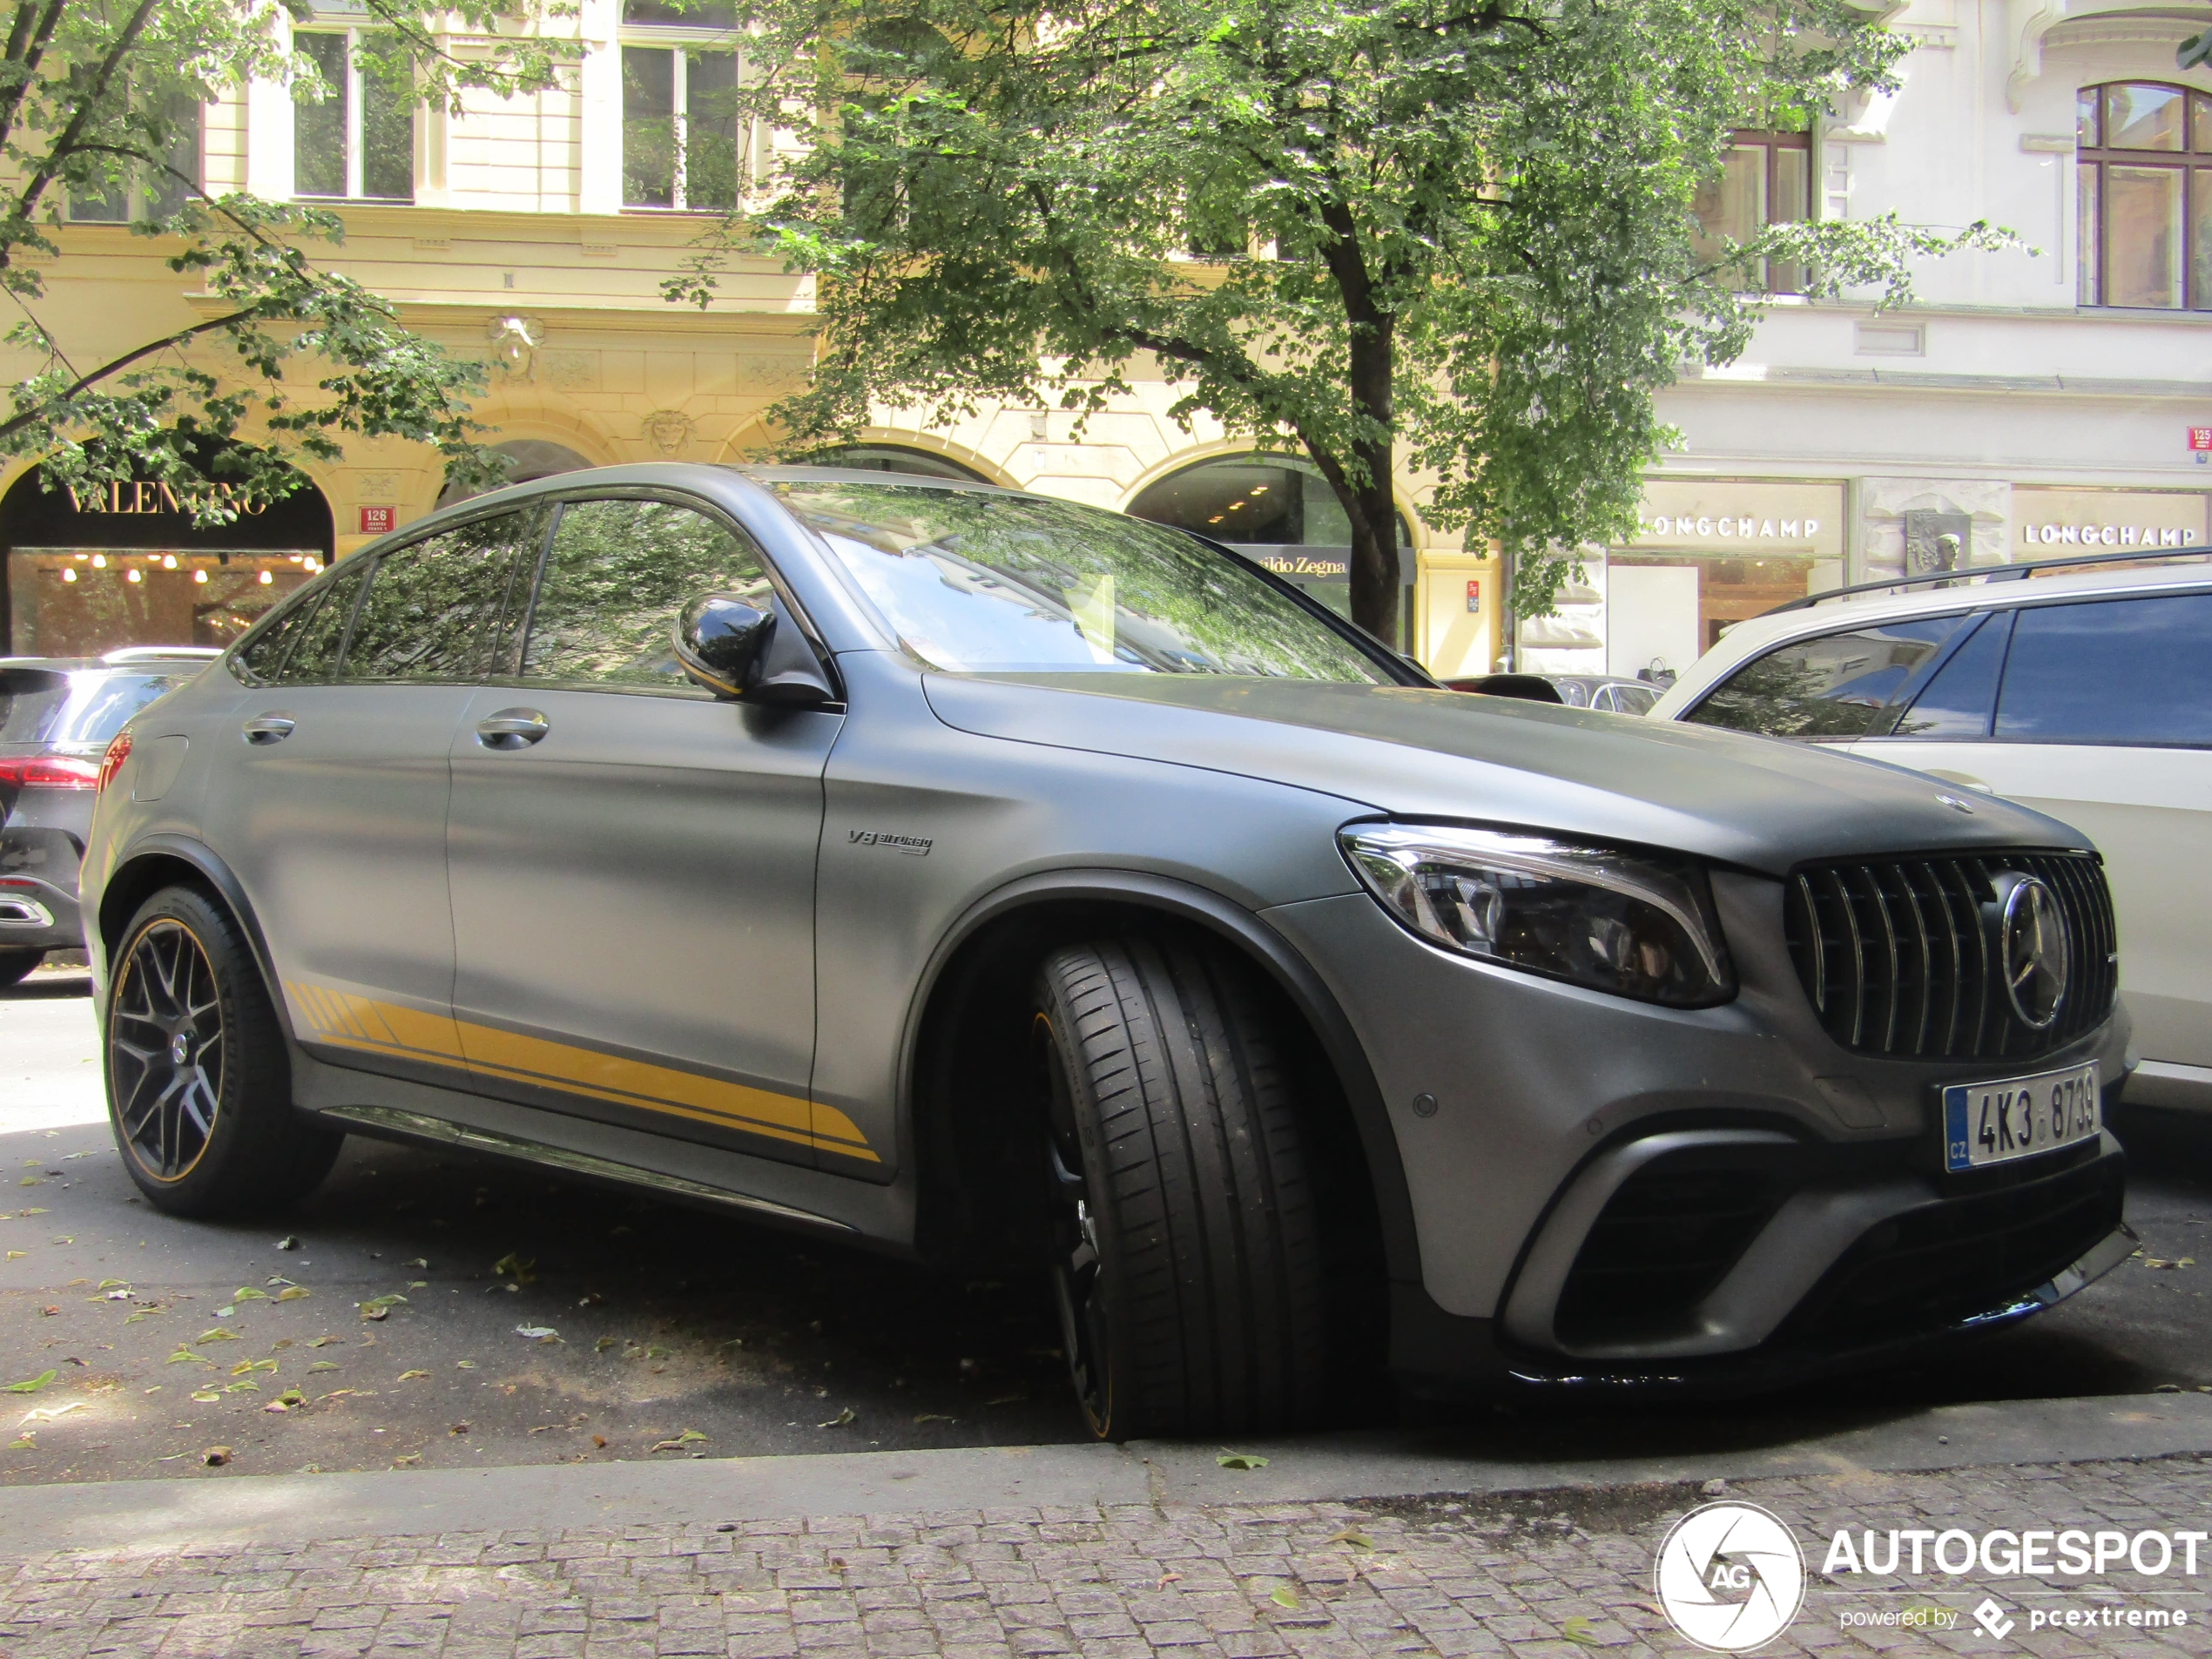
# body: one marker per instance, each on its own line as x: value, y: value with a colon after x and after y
x: 165, y: 861
x: 1014, y: 923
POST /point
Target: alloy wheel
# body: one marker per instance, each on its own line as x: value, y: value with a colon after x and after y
x: 167, y: 1049
x: 1077, y: 1275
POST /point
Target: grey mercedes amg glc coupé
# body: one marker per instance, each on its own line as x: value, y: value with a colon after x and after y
x: 953, y: 870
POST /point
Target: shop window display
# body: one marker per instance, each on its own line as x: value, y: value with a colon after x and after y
x: 82, y: 602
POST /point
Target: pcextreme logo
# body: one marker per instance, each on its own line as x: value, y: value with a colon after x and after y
x: 1730, y: 1577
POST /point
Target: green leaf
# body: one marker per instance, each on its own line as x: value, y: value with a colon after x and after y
x: 1241, y: 1461
x: 31, y: 1385
x: 1283, y: 1595
x: 1579, y: 1628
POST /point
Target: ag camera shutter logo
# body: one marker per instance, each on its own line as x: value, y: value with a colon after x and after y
x: 1730, y: 1577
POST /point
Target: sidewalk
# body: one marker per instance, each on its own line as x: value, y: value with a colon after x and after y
x: 1170, y: 1553
x: 1540, y: 1576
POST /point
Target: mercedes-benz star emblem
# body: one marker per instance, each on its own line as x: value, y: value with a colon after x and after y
x: 2033, y: 944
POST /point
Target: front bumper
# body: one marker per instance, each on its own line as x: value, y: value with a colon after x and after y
x: 1605, y: 1190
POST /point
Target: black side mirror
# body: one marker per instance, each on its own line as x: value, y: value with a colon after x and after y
x: 735, y: 649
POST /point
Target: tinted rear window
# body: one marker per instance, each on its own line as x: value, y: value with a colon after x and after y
x: 30, y: 700
x: 102, y: 714
x: 2112, y: 670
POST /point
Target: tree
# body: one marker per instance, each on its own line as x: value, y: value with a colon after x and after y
x: 98, y: 99
x: 1457, y: 232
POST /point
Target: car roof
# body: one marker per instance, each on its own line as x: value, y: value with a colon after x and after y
x: 137, y: 659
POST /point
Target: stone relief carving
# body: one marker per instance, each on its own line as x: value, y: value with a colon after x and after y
x: 669, y: 430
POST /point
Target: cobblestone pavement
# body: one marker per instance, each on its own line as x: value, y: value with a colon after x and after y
x: 1547, y: 1574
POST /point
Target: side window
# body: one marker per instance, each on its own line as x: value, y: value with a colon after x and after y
x: 2113, y: 671
x: 1837, y: 685
x: 433, y: 610
x: 261, y: 652
x: 615, y: 577
x: 1962, y: 696
x: 313, y: 656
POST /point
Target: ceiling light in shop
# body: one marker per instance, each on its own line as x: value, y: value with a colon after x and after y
x: 267, y: 578
x: 131, y: 575
x: 311, y: 565
x: 99, y: 561
x: 168, y: 561
x: 200, y: 577
x: 68, y: 575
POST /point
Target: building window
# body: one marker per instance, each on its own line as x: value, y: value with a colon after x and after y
x: 357, y: 144
x: 1765, y: 178
x: 682, y: 137
x: 2145, y: 175
x: 153, y: 193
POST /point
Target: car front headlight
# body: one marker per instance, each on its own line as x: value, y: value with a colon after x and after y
x: 1636, y: 924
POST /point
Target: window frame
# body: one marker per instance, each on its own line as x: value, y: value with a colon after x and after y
x: 2188, y: 161
x: 353, y: 92
x: 2043, y: 740
x: 528, y: 520
x: 1770, y: 143
x: 681, y: 40
x: 508, y: 668
x: 140, y: 205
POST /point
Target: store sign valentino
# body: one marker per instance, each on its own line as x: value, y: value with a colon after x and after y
x: 146, y: 497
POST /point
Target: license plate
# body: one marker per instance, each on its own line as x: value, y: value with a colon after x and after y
x: 2019, y: 1117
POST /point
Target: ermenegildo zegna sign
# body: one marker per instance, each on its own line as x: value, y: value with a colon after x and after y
x: 1748, y: 516
x: 2045, y: 520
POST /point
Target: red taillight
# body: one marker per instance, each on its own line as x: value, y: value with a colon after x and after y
x: 50, y: 771
x: 119, y: 751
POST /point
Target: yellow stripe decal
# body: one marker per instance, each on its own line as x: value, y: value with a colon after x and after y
x: 343, y: 1020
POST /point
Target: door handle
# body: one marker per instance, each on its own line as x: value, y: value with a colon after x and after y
x: 512, y: 729
x: 267, y: 728
x: 1964, y: 779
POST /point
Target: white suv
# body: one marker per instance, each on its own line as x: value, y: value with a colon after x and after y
x: 2088, y: 696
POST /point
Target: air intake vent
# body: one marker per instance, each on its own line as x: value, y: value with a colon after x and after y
x: 1903, y: 957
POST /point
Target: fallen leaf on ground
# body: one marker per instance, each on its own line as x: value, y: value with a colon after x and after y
x: 1353, y: 1536
x: 538, y: 1333
x: 841, y: 1419
x: 418, y: 1284
x: 244, y: 1366
x: 604, y: 1343
x: 32, y: 1384
x: 1007, y: 1400
x: 692, y: 1437
x: 410, y: 1376
x: 247, y: 1293
x: 420, y: 1262
x: 599, y: 1440
x: 115, y: 1285
x: 591, y: 1299
x: 34, y: 1211
x: 933, y: 1416
x: 324, y: 1342
x: 1283, y: 1595
x: 1167, y: 1579
x: 219, y: 1335
x: 321, y: 1365
x: 207, y: 1396
x: 244, y: 1385
x: 458, y: 1428
x: 186, y: 1356
x: 48, y: 1413
x: 289, y: 1399
x: 287, y: 1243
x: 465, y: 1365
x: 49, y: 1312
x: 516, y: 1265
x: 408, y: 1462
x: 1241, y: 1461
x: 1579, y: 1628
x: 293, y: 1293
x: 17, y: 1255
x: 23, y: 1442
x: 215, y: 1456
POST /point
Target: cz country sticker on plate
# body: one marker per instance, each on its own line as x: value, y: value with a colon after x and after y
x: 2019, y: 1117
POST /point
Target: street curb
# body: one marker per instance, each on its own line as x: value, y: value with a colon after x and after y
x: 1509, y: 1455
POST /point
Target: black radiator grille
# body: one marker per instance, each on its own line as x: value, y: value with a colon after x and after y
x: 1900, y: 956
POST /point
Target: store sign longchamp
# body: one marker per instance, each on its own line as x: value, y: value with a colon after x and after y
x: 2106, y: 518
x: 1725, y: 518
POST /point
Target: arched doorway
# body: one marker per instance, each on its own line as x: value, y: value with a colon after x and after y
x: 127, y: 566
x: 1279, y: 511
x: 892, y: 457
x: 527, y: 459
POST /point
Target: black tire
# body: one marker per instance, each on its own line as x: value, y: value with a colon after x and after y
x: 1184, y: 1236
x: 15, y: 965
x: 198, y: 1083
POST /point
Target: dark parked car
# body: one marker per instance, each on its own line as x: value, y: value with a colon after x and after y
x: 56, y: 718
x: 955, y: 871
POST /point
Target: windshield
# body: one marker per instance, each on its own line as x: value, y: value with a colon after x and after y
x: 981, y: 583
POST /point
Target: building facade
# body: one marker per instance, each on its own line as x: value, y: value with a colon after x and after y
x: 2045, y: 397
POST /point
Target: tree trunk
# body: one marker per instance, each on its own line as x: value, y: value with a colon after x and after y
x: 1375, y: 577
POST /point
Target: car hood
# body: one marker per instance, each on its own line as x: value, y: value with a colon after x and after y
x: 1762, y: 803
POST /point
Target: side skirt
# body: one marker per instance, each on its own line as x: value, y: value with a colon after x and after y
x: 390, y: 1122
